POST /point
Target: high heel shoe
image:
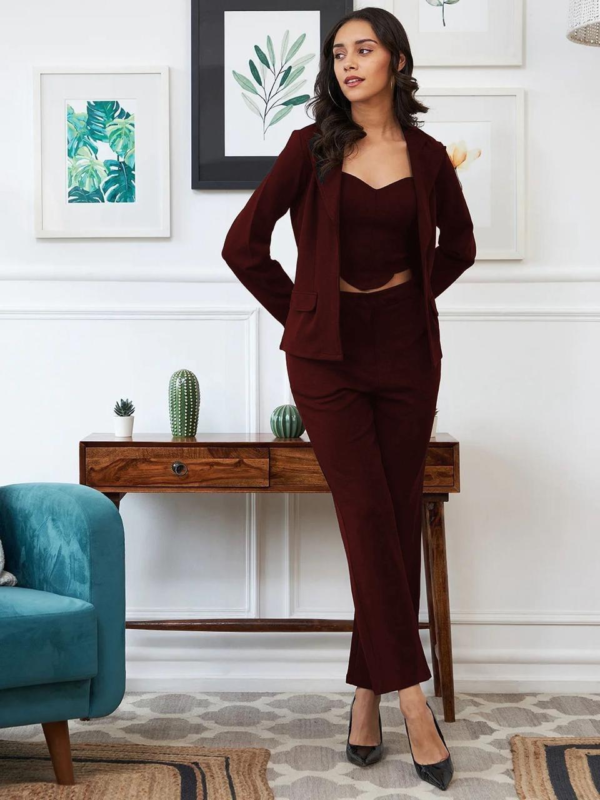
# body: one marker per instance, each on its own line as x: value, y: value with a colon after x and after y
x: 363, y: 755
x: 440, y: 773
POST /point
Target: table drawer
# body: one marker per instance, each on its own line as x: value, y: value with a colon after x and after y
x: 296, y: 469
x: 441, y: 469
x: 194, y: 467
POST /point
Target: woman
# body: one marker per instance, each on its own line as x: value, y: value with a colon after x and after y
x: 366, y: 188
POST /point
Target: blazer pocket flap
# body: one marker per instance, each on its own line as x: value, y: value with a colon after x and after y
x: 303, y: 301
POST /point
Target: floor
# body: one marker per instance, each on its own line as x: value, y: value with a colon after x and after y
x: 306, y: 734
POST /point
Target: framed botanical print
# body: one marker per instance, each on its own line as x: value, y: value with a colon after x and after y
x: 254, y: 66
x: 484, y: 133
x: 460, y: 33
x: 101, y: 152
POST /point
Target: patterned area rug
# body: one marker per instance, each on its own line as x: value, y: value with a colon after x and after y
x: 135, y: 772
x: 556, y: 767
x: 306, y: 734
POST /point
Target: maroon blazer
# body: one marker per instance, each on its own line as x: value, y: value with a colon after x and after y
x: 309, y: 307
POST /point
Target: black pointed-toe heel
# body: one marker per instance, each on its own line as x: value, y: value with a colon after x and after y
x: 363, y: 755
x: 440, y: 773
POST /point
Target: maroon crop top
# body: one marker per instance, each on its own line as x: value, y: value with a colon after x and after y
x: 378, y: 231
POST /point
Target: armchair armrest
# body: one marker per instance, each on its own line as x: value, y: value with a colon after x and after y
x: 69, y: 539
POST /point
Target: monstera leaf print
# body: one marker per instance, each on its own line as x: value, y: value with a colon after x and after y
x: 272, y: 88
x: 121, y: 138
x: 100, y: 153
x: 77, y: 133
x: 86, y: 171
x: 119, y: 187
x: 442, y: 4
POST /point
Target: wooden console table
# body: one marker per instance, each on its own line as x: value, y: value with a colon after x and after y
x: 233, y: 462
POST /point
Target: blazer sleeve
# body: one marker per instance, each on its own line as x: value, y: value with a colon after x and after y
x: 247, y: 244
x: 456, y: 247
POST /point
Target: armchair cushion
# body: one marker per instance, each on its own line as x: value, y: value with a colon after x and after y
x: 45, y: 638
x: 68, y: 539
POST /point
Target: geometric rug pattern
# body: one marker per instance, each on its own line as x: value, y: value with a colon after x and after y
x: 306, y: 734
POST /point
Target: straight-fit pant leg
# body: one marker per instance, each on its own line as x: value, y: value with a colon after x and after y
x: 340, y: 422
x: 404, y: 408
x: 403, y: 433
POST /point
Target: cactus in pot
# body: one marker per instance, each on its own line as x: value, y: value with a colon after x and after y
x: 123, y: 417
x: 286, y: 422
x: 184, y: 403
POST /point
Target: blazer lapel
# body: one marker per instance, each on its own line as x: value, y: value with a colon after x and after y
x: 417, y: 154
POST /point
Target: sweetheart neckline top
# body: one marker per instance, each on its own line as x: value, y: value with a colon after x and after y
x: 378, y: 188
x: 378, y: 230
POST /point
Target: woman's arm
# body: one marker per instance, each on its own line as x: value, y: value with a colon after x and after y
x: 247, y: 244
x: 456, y: 247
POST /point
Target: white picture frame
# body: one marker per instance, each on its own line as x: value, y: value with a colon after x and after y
x: 477, y: 33
x: 489, y: 125
x: 70, y: 196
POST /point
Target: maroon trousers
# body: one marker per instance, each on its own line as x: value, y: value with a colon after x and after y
x: 369, y: 419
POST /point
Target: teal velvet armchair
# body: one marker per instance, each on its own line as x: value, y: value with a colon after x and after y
x: 62, y: 627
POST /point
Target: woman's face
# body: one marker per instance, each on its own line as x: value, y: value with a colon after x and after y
x: 357, y: 53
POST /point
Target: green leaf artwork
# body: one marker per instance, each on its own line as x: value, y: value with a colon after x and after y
x: 100, y: 152
x: 442, y: 4
x: 271, y: 89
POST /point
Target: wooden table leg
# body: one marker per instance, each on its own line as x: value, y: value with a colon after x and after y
x: 435, y: 666
x: 116, y: 497
x: 435, y: 536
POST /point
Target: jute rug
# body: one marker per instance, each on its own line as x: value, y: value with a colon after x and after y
x: 136, y: 772
x: 556, y: 767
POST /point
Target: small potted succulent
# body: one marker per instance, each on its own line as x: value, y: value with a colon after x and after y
x: 123, y: 417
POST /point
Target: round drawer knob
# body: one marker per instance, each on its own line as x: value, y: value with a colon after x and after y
x: 179, y: 468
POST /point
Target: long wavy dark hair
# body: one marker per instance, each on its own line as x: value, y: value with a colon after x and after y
x: 331, y: 108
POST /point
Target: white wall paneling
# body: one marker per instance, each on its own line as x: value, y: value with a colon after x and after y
x: 86, y: 321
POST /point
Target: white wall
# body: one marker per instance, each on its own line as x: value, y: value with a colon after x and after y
x: 85, y: 322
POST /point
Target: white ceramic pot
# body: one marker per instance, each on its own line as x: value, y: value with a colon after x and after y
x: 123, y: 425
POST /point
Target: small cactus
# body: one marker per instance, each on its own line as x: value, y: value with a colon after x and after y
x: 286, y: 422
x: 124, y: 408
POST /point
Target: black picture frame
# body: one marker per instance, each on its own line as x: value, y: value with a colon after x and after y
x: 211, y: 169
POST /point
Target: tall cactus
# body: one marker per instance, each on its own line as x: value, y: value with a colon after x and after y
x: 184, y: 403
